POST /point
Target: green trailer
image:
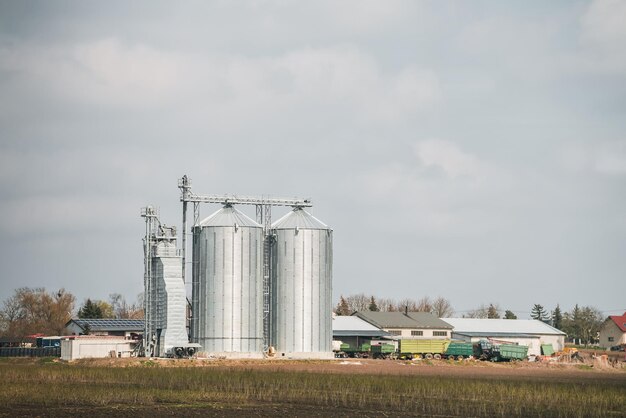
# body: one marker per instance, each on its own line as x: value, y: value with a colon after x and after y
x: 366, y: 349
x: 383, y: 351
x: 509, y: 352
x: 414, y: 348
x: 361, y: 351
x: 459, y: 351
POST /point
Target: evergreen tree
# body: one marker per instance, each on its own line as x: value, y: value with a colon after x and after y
x: 90, y: 310
x: 373, y: 306
x: 557, y: 317
x: 582, y: 324
x: 539, y: 313
x: 492, y: 312
x: 342, y: 308
x: 509, y: 315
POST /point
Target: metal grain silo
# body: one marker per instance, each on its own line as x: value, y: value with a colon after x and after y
x: 227, y: 285
x: 301, y: 296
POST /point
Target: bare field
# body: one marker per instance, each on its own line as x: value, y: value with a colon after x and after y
x: 363, y: 388
x: 466, y: 368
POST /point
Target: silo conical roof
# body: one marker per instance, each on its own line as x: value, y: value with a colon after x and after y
x: 229, y: 216
x: 299, y: 218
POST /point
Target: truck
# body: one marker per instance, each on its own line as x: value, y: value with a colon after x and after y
x: 501, y: 351
x: 384, y: 351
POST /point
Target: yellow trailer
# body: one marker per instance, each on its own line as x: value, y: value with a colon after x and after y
x: 410, y: 348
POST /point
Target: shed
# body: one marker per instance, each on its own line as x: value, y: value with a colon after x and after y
x: 355, y: 331
x: 529, y: 332
x: 96, y: 346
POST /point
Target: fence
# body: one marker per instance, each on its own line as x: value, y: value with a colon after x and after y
x: 30, y: 352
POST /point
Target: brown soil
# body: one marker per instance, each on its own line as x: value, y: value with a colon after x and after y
x: 467, y: 368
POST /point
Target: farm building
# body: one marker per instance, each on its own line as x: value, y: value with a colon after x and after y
x: 116, y: 327
x: 529, y: 332
x: 613, y: 331
x: 96, y: 346
x: 355, y: 331
x: 408, y: 325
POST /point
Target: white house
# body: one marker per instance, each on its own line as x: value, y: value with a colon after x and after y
x: 529, y: 332
x: 613, y: 331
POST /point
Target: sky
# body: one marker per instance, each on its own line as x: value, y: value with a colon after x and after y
x: 470, y: 150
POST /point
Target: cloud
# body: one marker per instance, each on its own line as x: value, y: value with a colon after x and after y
x: 605, y: 23
x: 128, y: 71
x: 346, y: 75
x: 440, y: 192
x: 611, y: 159
x: 446, y: 156
x: 607, y: 158
x: 101, y: 72
x: 341, y: 78
x: 603, y: 35
x: 367, y: 16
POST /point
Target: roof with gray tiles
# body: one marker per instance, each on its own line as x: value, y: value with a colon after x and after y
x: 412, y: 320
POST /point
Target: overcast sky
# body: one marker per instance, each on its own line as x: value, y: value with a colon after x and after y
x: 474, y: 150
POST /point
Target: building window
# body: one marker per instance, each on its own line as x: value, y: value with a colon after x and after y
x: 417, y: 333
x: 611, y: 339
x: 395, y: 332
x: 440, y: 333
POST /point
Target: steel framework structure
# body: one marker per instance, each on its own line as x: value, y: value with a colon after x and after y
x: 149, y: 281
x: 263, y: 217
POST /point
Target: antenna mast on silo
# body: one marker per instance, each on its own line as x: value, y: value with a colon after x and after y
x: 263, y: 217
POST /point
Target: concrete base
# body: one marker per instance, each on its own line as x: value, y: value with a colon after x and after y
x: 231, y: 355
x: 319, y: 355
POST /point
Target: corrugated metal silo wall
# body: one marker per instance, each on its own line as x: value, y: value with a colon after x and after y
x: 228, y: 291
x: 302, y: 291
x: 195, y: 284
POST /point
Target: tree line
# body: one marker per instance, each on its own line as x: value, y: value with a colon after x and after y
x: 439, y: 306
x: 581, y: 324
x: 32, y: 311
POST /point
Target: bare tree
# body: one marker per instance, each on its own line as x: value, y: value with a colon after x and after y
x: 386, y: 304
x: 483, y: 311
x: 32, y: 311
x: 424, y: 305
x: 124, y: 310
x: 359, y: 302
x: 10, y: 315
x: 407, y: 304
x: 442, y: 308
x: 480, y: 312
